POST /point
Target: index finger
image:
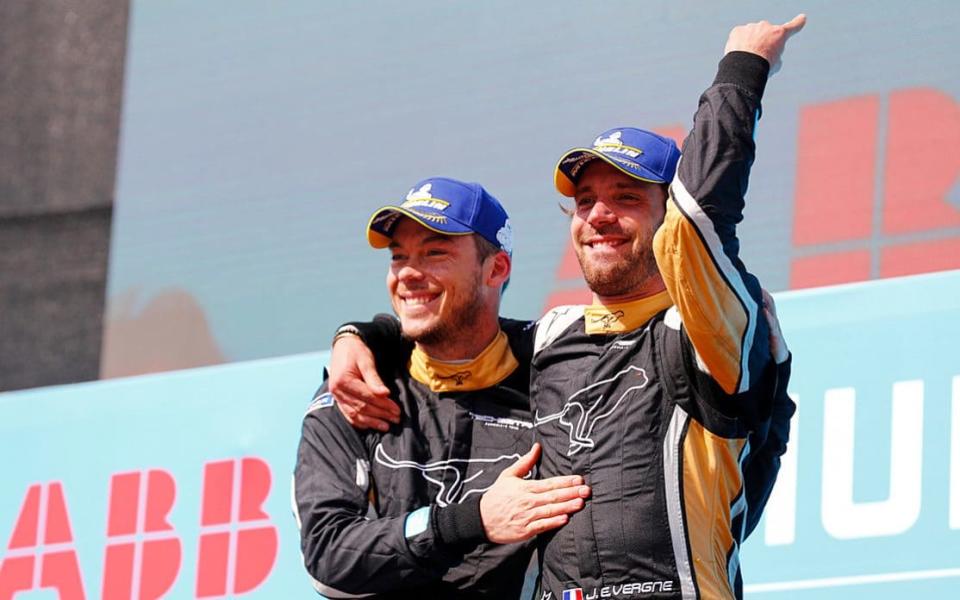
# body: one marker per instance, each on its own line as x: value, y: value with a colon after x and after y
x: 357, y: 394
x: 554, y: 483
x: 372, y: 410
x: 795, y: 24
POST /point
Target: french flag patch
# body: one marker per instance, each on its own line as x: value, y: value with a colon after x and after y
x: 574, y: 594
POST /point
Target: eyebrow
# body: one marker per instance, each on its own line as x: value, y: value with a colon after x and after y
x: 445, y: 239
x: 438, y: 238
x: 622, y: 185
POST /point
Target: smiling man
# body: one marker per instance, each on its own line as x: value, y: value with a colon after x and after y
x: 418, y: 510
x: 655, y: 391
x: 616, y: 254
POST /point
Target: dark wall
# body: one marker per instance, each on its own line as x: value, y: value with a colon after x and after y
x: 61, y: 76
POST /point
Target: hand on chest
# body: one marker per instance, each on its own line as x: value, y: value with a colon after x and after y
x: 453, y: 450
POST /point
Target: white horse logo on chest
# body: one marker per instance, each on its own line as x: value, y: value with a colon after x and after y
x: 461, y: 487
x: 580, y: 420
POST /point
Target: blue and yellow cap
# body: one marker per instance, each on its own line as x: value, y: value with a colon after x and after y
x: 641, y: 154
x: 449, y: 207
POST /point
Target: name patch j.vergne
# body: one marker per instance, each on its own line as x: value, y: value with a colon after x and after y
x: 586, y: 408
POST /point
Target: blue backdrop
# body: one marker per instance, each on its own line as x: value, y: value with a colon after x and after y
x: 867, y: 504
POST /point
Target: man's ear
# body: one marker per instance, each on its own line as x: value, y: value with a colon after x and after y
x: 500, y: 272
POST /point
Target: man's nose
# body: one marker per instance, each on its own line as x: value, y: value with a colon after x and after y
x: 600, y: 214
x: 409, y: 273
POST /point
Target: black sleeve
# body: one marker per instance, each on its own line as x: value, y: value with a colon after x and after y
x: 719, y: 152
x: 349, y: 549
x: 384, y: 337
x: 696, y: 247
x: 760, y: 471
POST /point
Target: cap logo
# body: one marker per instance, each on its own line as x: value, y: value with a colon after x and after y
x: 611, y: 140
x: 422, y: 197
x: 612, y: 144
x: 624, y: 162
x: 430, y: 217
x: 505, y: 237
x: 423, y: 192
x: 458, y: 378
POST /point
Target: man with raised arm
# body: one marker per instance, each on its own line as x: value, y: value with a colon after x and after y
x: 652, y: 392
x: 418, y: 510
x: 661, y: 393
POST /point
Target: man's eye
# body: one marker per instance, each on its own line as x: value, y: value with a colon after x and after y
x: 584, y: 202
x: 397, y: 257
x: 436, y: 252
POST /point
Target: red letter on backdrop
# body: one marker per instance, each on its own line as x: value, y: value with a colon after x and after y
x: 138, y: 534
x: 836, y: 173
x: 236, y: 533
x: 836, y: 186
x: 922, y: 161
x: 40, y: 553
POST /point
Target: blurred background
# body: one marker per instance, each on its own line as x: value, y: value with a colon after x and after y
x: 187, y: 184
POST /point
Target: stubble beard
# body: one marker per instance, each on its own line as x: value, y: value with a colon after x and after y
x: 452, y: 330
x: 621, y: 277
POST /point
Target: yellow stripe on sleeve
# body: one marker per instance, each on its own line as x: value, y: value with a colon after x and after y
x: 711, y: 481
x: 712, y: 312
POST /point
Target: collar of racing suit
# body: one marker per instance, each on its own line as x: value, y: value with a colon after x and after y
x: 623, y: 317
x: 489, y: 368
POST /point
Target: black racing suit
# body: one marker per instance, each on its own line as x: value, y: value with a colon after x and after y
x: 767, y: 443
x: 396, y: 514
x: 655, y: 402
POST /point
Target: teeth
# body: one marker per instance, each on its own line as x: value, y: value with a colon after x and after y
x: 418, y: 300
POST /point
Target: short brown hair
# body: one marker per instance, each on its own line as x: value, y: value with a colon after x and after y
x: 485, y: 248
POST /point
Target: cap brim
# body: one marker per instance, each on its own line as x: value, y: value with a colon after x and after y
x: 567, y: 186
x: 380, y: 237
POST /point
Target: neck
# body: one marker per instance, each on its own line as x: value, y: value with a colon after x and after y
x: 651, y: 287
x: 491, y: 366
x: 467, y: 345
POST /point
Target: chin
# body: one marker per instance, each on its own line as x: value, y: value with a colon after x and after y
x: 611, y: 271
x: 415, y: 329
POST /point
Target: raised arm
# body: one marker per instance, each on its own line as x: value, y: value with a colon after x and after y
x: 696, y: 247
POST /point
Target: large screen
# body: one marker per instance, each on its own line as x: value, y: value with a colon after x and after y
x: 257, y: 139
